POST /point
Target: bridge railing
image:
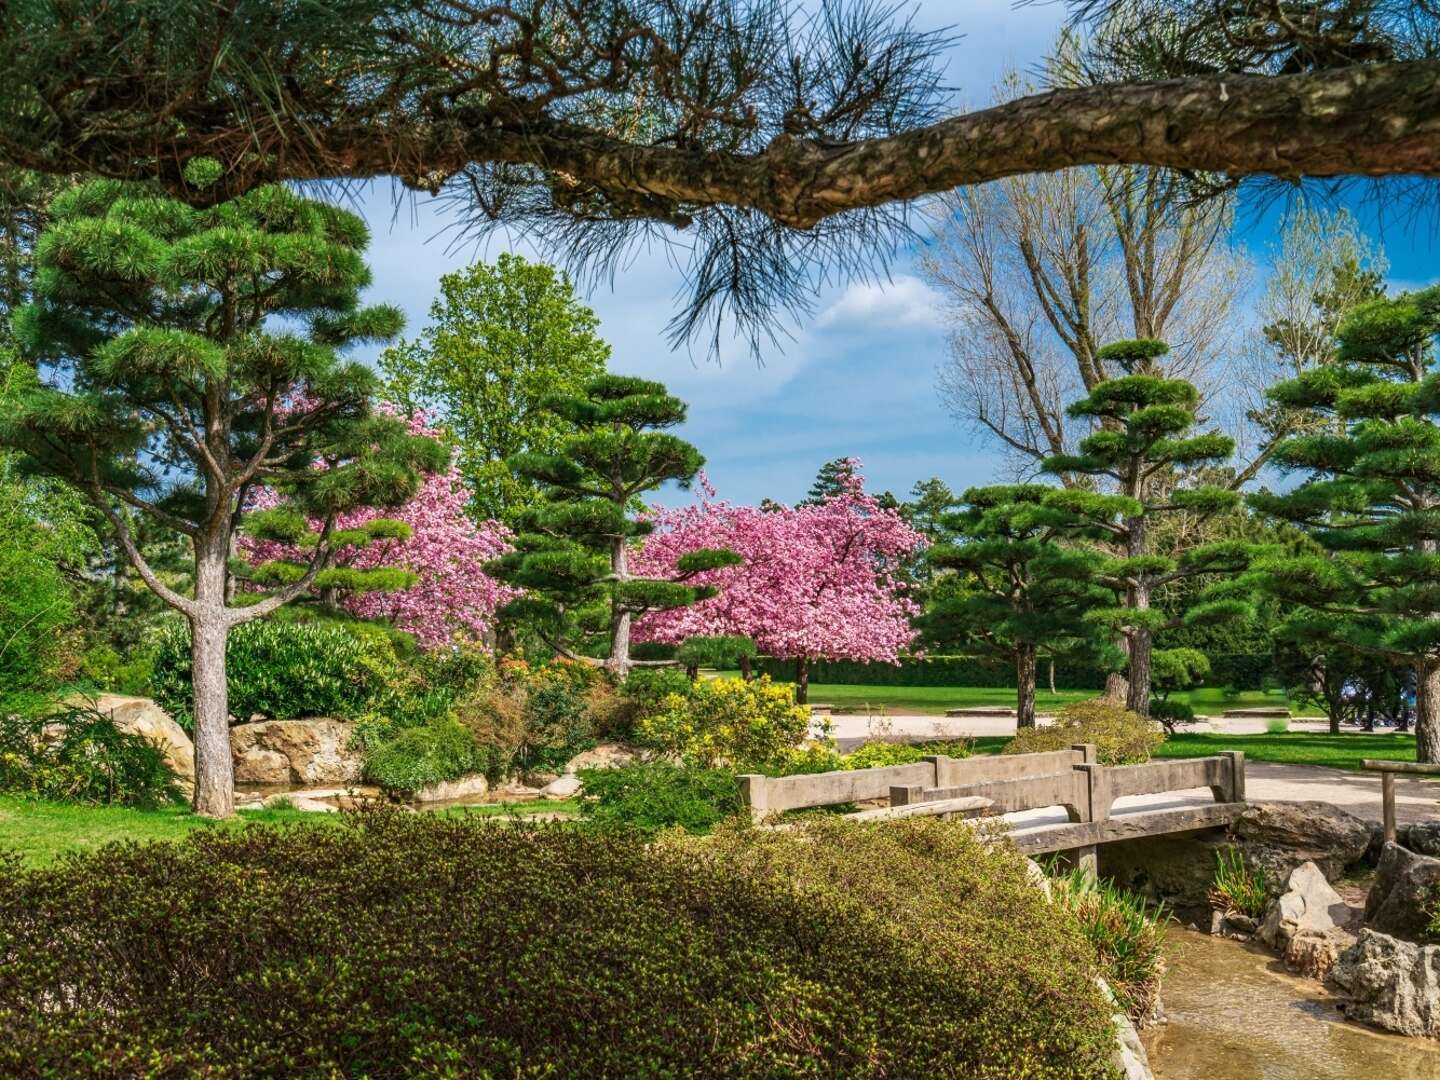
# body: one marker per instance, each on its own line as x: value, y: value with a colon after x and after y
x: 1009, y: 783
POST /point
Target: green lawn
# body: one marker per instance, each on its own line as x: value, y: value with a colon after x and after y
x: 40, y: 831
x: 1343, y: 751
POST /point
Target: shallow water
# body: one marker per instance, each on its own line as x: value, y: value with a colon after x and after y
x: 1235, y: 1014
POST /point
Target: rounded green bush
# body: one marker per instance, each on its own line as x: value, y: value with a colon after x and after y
x: 425, y: 945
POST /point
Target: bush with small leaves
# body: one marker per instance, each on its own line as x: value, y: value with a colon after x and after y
x: 659, y: 795
x: 1121, y: 737
x: 416, y: 757
x: 418, y: 944
x: 751, y: 725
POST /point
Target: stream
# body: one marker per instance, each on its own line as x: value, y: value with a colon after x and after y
x: 1234, y: 1014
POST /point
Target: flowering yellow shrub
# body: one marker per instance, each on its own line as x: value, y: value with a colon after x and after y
x: 752, y: 724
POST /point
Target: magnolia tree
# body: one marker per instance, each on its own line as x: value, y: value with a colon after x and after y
x: 817, y: 582
x: 447, y: 591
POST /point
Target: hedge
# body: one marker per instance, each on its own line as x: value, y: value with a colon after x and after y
x: 410, y: 945
x: 1244, y: 672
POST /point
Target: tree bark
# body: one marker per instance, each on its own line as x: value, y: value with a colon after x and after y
x: 1117, y: 689
x: 1137, y: 697
x: 209, y: 630
x: 1427, y: 712
x: 1025, y: 686
x: 1052, y: 675
x: 746, y: 670
x: 802, y: 681
x: 619, y: 661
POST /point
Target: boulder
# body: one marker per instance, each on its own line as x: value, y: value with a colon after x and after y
x: 1275, y: 837
x: 1391, y: 984
x: 466, y: 787
x: 1308, y: 905
x: 314, y: 751
x: 604, y: 756
x: 1405, y: 887
x: 565, y: 787
x: 1314, y: 953
x: 141, y: 716
x: 1423, y: 837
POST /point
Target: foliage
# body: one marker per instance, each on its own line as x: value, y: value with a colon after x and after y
x: 1126, y: 932
x: 415, y: 757
x: 1027, y: 589
x: 815, y: 953
x: 1171, y: 714
x: 659, y: 795
x: 72, y: 753
x: 751, y: 725
x: 719, y: 651
x: 503, y: 337
x: 813, y: 582
x: 932, y: 670
x: 537, y: 719
x: 1276, y: 725
x: 879, y: 753
x: 278, y: 670
x: 444, y: 591
x: 572, y: 551
x: 1237, y: 889
x: 1121, y: 737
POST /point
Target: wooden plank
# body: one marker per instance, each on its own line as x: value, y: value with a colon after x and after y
x: 922, y: 809
x: 1038, y: 839
x: 1400, y: 766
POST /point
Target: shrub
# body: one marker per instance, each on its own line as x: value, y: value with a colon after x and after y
x: 37, y: 609
x: 282, y: 671
x: 1277, y: 725
x: 752, y: 725
x: 1237, y: 889
x: 557, y: 716
x: 879, y: 753
x: 417, y: 756
x: 1171, y: 714
x: 1121, y: 737
x: 648, y: 688
x: 658, y: 795
x: 428, y: 945
x: 1127, y: 934
x: 72, y: 753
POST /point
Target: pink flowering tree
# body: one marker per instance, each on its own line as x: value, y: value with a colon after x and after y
x: 420, y: 565
x: 818, y: 582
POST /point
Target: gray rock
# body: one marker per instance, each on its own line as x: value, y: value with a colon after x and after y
x: 564, y: 787
x: 1405, y: 887
x: 1275, y: 837
x: 1422, y: 838
x: 604, y: 756
x: 1129, y: 1057
x: 1392, y: 984
x: 314, y: 751
x: 141, y: 716
x: 1308, y: 905
x: 466, y: 787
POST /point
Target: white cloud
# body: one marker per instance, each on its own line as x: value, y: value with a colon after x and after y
x: 904, y: 301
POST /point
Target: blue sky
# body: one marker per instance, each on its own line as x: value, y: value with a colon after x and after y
x: 858, y: 378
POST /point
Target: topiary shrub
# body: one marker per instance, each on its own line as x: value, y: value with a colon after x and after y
x: 72, y: 753
x: 282, y: 671
x: 1171, y: 714
x: 1121, y: 737
x: 753, y: 725
x: 416, y: 757
x: 659, y: 795
x: 430, y: 945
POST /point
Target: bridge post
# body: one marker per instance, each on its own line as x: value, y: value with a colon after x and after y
x: 1087, y: 857
x: 752, y: 794
x: 1235, y: 788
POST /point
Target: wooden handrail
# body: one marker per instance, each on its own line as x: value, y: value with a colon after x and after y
x: 1387, y: 771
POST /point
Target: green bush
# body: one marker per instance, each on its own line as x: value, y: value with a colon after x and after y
x: 414, y: 945
x: 282, y: 671
x: 878, y: 753
x: 753, y: 725
x: 1121, y: 737
x: 658, y: 795
x: 1127, y: 934
x: 1237, y: 889
x: 37, y: 610
x: 414, y: 757
x: 72, y: 753
x: 648, y: 688
x: 1171, y: 714
x: 557, y: 715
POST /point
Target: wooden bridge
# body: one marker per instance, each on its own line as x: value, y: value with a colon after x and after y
x: 1007, y: 784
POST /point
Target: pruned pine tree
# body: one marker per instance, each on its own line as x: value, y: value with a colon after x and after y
x: 572, y: 551
x: 1028, y: 585
x: 339, y: 579
x: 1372, y: 499
x: 187, y: 356
x: 1143, y: 442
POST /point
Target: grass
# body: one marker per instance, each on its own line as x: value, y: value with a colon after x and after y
x: 1343, y: 751
x: 42, y: 831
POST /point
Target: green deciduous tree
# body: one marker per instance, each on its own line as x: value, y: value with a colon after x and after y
x: 187, y: 356
x: 1372, y: 499
x: 502, y: 338
x: 1028, y: 586
x: 1141, y: 450
x: 573, y: 548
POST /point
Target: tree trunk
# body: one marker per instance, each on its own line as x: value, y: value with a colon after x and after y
x: 209, y: 629
x: 746, y: 671
x: 692, y: 672
x: 802, y: 680
x: 1024, y: 686
x: 1427, y: 712
x: 1116, y: 687
x: 1137, y: 697
x: 1052, y: 675
x: 619, y: 662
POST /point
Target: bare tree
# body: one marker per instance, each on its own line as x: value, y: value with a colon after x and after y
x: 1040, y: 271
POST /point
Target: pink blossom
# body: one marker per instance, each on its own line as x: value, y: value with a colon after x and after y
x: 446, y: 549
x: 819, y: 582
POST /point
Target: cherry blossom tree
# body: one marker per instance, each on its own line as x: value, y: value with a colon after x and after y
x: 445, y: 551
x: 818, y: 582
